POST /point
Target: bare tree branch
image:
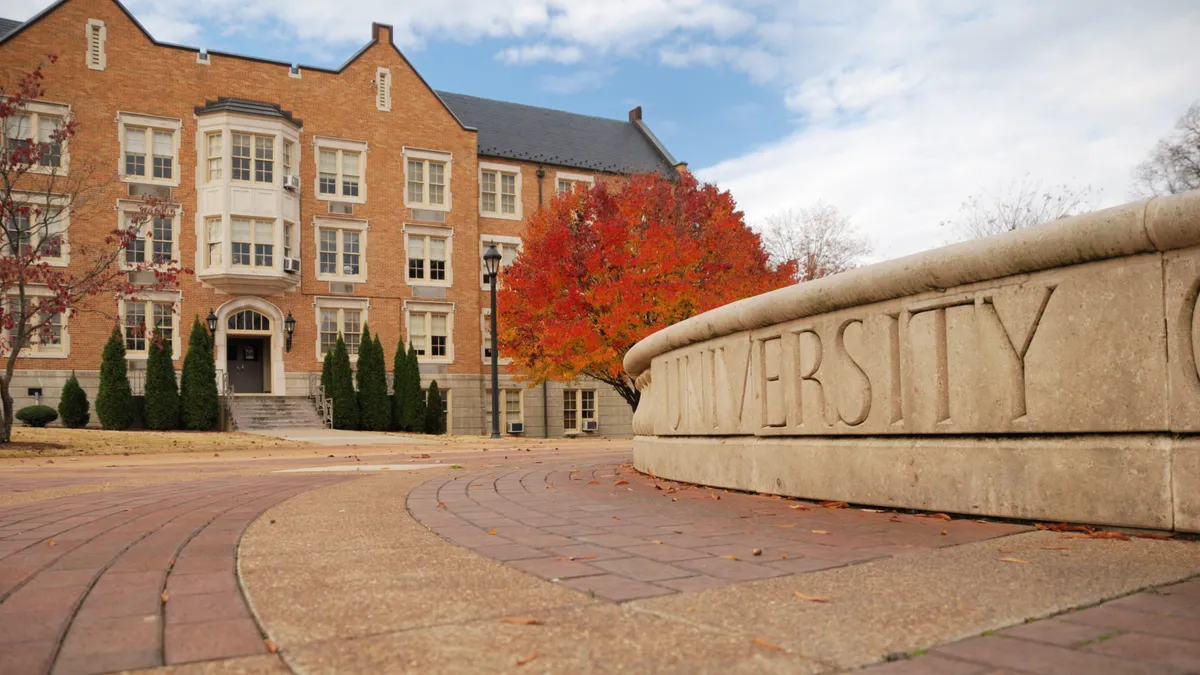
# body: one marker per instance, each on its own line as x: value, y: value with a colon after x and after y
x: 820, y: 239
x: 1022, y: 204
x: 1174, y: 164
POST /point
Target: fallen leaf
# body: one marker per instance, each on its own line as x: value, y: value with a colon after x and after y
x: 834, y: 505
x: 528, y: 657
x: 874, y: 510
x: 271, y: 646
x: 783, y: 556
x: 578, y: 557
x: 1104, y: 534
x: 729, y: 557
x: 714, y: 495
x: 616, y: 517
x: 1064, y: 527
x: 621, y: 482
x: 655, y: 541
x: 1014, y: 560
x: 944, y: 533
x: 895, y: 519
x: 52, y: 542
x: 164, y: 597
x: 593, y: 482
x: 1154, y: 535
x: 491, y: 530
x: 441, y: 505
x: 801, y: 507
x: 767, y: 645
x: 820, y: 531
x: 939, y: 516
x: 813, y: 598
x: 1056, y: 548
x: 757, y: 551
x: 521, y: 620
x: 788, y: 525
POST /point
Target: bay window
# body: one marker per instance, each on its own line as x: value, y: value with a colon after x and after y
x: 252, y: 243
x: 252, y: 158
x: 499, y: 191
x: 264, y: 159
x: 212, y: 234
x: 214, y: 145
x: 427, y: 179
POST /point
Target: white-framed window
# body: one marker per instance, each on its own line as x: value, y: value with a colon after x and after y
x: 212, y: 240
x: 509, y: 248
x: 341, y: 249
x: 252, y: 157
x: 157, y: 241
x: 36, y: 126
x: 383, y: 89
x: 289, y: 158
x: 214, y: 155
x: 289, y: 239
x: 430, y: 330
x: 485, y: 329
x: 427, y: 179
x: 565, y: 182
x: 339, y: 316
x: 97, y: 35
x: 149, y: 148
x: 579, y: 405
x: 49, y: 339
x: 341, y: 169
x: 144, y: 316
x: 428, y: 250
x: 39, y: 227
x: 500, y: 190
x: 252, y: 243
x: 512, y: 408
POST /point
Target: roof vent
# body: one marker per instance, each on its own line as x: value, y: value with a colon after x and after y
x: 96, y: 37
x: 383, y: 89
x: 294, y: 70
x: 202, y: 57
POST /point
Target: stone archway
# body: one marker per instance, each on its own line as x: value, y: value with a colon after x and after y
x: 236, y: 310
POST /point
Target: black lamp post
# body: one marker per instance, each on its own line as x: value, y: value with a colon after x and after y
x: 289, y: 327
x: 491, y: 262
x: 211, y: 320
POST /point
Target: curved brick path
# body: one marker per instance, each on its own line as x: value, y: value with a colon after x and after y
x: 82, y: 578
x: 608, y: 530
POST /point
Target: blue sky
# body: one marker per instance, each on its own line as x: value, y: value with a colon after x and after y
x: 893, y: 112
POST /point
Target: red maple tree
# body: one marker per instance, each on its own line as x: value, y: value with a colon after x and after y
x: 45, y: 272
x: 602, y: 268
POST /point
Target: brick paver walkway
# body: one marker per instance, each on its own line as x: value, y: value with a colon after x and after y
x: 1155, y: 631
x: 608, y: 530
x: 131, y: 578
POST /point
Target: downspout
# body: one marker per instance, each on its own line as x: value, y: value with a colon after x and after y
x: 541, y: 173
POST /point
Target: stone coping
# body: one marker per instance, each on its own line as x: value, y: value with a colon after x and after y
x: 1154, y: 225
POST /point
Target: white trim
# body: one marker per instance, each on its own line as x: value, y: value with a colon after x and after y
x: 573, y: 177
x: 321, y: 302
x: 426, y: 156
x: 32, y: 351
x: 148, y: 298
x: 132, y: 206
x: 500, y: 169
x: 278, y: 337
x: 578, y: 391
x: 340, y: 224
x: 484, y: 240
x: 340, y: 145
x: 484, y: 326
x: 149, y: 123
x: 37, y: 199
x: 425, y: 307
x: 383, y: 89
x: 441, y: 232
x: 101, y: 60
x: 36, y: 110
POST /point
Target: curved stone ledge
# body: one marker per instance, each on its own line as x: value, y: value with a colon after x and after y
x: 1158, y: 224
x: 1083, y: 328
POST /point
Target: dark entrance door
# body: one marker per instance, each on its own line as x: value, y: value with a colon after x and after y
x: 245, y: 359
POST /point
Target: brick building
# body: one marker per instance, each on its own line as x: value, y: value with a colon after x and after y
x: 339, y: 197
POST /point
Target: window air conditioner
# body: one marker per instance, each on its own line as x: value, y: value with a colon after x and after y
x: 589, y: 425
x: 291, y: 182
x: 291, y: 265
x: 516, y: 427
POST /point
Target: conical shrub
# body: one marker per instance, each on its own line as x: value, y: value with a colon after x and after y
x: 114, y: 401
x: 162, y: 393
x: 199, y: 399
x: 345, y: 401
x: 435, y: 416
x: 73, y: 406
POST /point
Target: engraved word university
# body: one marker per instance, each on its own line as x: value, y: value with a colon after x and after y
x: 987, y: 360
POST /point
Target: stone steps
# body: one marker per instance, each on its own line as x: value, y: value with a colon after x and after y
x: 275, y: 412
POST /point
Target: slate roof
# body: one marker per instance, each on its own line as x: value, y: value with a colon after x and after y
x: 246, y: 107
x: 530, y: 133
x: 7, y: 26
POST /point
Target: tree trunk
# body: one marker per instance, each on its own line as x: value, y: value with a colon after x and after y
x: 6, y: 430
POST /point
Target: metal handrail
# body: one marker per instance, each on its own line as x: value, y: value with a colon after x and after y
x: 316, y: 391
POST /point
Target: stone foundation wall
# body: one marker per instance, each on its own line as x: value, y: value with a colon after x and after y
x: 1049, y: 373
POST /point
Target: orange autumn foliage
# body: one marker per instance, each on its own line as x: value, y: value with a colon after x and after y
x: 603, y: 268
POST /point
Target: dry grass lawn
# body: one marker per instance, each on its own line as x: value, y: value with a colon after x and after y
x: 61, y: 442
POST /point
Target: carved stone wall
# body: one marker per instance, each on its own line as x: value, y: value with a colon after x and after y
x: 1081, y: 329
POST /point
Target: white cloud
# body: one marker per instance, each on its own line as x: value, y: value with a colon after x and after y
x: 573, y: 83
x: 541, y: 51
x: 913, y: 111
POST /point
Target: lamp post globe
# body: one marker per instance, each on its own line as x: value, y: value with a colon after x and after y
x: 211, y: 321
x: 491, y: 263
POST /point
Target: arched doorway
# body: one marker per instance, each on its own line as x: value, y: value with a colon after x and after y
x: 249, y: 343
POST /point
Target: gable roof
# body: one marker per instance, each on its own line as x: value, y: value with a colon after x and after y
x: 530, y: 133
x: 7, y: 26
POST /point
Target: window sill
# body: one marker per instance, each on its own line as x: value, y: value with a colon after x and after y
x: 435, y: 361
x: 174, y: 182
x: 360, y: 279
x: 427, y: 207
x: 501, y: 216
x: 423, y: 282
x: 49, y: 170
x: 487, y: 361
x: 142, y: 356
x: 44, y: 355
x: 326, y: 197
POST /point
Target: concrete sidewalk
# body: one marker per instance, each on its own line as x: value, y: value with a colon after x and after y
x: 343, y: 579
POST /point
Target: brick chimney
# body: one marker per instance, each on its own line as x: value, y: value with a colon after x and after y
x: 635, y: 115
x: 381, y: 32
